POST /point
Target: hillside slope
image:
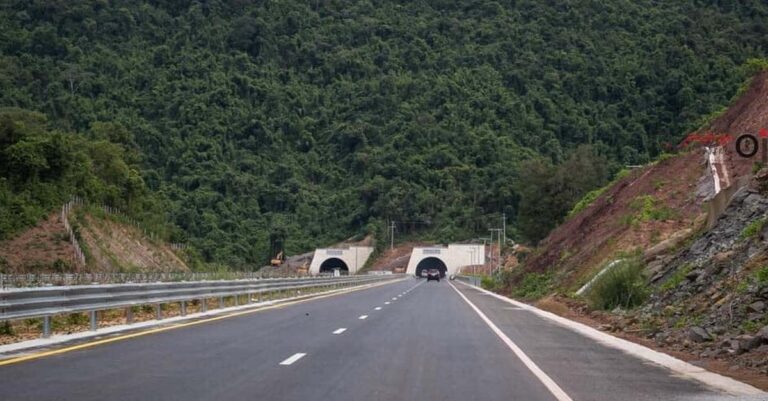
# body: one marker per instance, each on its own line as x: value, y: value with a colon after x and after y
x: 303, y: 123
x: 108, y: 246
x: 647, y: 206
x: 707, y: 283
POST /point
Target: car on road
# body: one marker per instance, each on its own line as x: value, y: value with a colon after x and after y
x: 433, y: 274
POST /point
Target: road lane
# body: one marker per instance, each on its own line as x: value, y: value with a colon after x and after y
x: 192, y: 363
x: 426, y: 343
x: 427, y: 346
x: 585, y: 369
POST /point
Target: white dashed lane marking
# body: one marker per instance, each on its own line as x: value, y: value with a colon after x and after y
x: 339, y: 331
x: 295, y: 357
x: 363, y: 317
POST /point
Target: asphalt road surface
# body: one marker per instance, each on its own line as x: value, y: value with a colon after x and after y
x: 409, y: 340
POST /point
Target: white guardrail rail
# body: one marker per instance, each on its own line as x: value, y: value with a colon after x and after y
x: 46, y: 302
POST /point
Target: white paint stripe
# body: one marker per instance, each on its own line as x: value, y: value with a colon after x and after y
x: 394, y: 299
x: 295, y: 357
x: 702, y: 375
x: 377, y: 308
x: 339, y: 331
x: 386, y: 303
x: 550, y: 384
x: 363, y: 317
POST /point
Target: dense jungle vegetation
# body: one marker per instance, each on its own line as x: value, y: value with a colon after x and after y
x: 252, y: 125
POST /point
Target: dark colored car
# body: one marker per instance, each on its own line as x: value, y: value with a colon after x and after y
x: 433, y: 274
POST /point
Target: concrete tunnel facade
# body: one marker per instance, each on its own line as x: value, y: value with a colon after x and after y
x: 453, y: 257
x: 348, y: 260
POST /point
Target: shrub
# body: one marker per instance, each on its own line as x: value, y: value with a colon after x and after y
x: 534, y: 285
x: 762, y: 276
x: 677, y: 277
x: 755, y: 65
x: 77, y: 319
x: 647, y: 209
x: 750, y: 326
x: 623, y: 286
x: 587, y: 200
x: 6, y: 329
x: 753, y: 229
x: 488, y: 283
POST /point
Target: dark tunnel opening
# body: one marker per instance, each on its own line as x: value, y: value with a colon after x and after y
x: 431, y: 263
x: 332, y: 264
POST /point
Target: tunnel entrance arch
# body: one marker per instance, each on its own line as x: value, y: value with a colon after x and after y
x: 431, y: 263
x: 331, y: 264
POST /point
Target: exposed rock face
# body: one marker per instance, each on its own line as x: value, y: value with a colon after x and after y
x: 713, y: 301
x: 668, y: 244
x: 698, y: 334
x: 722, y: 245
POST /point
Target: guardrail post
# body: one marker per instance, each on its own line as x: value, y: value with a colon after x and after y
x: 237, y: 300
x: 203, y: 305
x: 221, y: 302
x: 46, y: 326
x: 129, y: 315
x: 249, y: 298
x: 183, y: 308
x: 94, y: 320
x: 158, y: 312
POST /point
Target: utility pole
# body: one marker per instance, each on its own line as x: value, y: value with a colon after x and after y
x: 485, y: 239
x: 392, y: 235
x: 499, y: 231
x: 504, y: 227
x: 472, y: 257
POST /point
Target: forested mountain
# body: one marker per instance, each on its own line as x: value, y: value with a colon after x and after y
x: 260, y: 122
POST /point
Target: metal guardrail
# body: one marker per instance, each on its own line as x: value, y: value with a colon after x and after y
x: 60, y: 279
x: 474, y: 280
x: 46, y: 302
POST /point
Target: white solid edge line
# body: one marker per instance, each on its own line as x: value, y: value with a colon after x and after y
x: 295, y: 357
x: 732, y: 386
x: 340, y: 330
x: 363, y: 317
x: 550, y: 384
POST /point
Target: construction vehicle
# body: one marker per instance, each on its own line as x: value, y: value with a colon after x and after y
x: 303, y: 270
x: 277, y: 260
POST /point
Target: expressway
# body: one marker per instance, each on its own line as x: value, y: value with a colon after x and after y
x: 408, y: 340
